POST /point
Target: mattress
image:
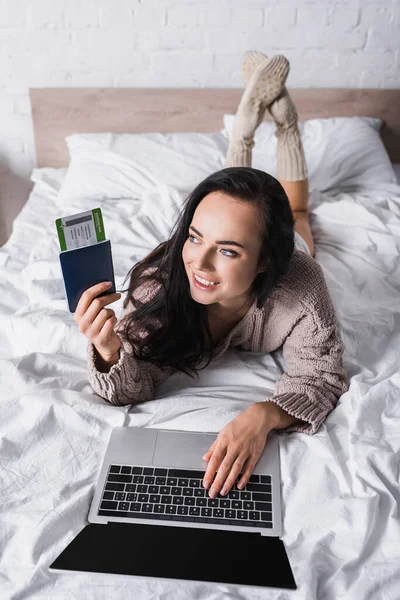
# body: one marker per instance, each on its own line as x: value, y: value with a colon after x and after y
x: 340, y: 487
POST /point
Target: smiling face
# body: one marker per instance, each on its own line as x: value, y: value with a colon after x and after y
x: 222, y: 247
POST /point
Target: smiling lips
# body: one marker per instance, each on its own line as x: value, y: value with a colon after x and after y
x: 203, y: 283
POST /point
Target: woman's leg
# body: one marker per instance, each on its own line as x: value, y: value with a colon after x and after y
x: 264, y: 85
x: 291, y: 164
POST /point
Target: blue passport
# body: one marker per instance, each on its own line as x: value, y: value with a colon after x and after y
x: 84, y: 267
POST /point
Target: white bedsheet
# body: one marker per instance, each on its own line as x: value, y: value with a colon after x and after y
x: 340, y: 487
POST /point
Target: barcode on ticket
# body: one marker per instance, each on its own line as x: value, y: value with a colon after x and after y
x: 82, y: 229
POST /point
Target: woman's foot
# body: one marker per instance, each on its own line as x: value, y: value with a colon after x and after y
x: 282, y: 109
x: 264, y: 85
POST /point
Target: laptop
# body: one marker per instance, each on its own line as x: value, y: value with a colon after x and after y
x: 151, y: 516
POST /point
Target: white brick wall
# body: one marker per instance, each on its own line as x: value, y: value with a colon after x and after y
x: 183, y: 43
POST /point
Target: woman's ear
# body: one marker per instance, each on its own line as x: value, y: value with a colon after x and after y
x: 262, y: 269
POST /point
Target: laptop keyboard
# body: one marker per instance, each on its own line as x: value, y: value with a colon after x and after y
x: 178, y: 495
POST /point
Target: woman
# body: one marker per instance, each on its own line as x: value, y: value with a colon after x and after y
x: 230, y: 276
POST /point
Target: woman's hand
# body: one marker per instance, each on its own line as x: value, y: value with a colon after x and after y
x: 238, y: 447
x: 97, y: 322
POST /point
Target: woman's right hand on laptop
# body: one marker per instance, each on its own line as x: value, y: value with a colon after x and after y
x: 97, y: 323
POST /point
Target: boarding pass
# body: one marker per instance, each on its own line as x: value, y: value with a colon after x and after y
x: 82, y: 229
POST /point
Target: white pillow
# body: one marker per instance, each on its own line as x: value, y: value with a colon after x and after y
x: 109, y: 165
x: 340, y: 151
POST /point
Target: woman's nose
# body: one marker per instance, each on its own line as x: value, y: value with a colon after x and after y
x: 204, y: 262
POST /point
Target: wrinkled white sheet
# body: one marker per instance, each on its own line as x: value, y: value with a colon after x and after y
x: 340, y: 487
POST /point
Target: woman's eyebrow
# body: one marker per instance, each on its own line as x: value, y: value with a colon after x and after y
x: 225, y: 242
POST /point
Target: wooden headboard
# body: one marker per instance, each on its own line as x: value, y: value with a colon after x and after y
x: 58, y: 112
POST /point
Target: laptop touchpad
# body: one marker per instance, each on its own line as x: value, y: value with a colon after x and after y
x: 182, y: 450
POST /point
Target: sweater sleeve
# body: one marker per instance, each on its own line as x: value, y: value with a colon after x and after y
x: 315, y: 377
x: 130, y: 380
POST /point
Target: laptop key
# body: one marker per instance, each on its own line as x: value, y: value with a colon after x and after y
x: 137, y: 470
x: 189, y: 501
x: 166, y: 499
x: 201, y: 501
x: 120, y: 478
x: 135, y: 506
x: 160, y: 480
x: 123, y: 506
x: 183, y: 482
x: 218, y: 513
x: 199, y: 492
x: 183, y: 510
x: 137, y: 479
x: 149, y: 480
x: 147, y: 508
x: 248, y: 505
x: 131, y: 497
x: 242, y: 514
x: 172, y: 481
x: 165, y: 489
x: 160, y: 472
x: 119, y: 496
x: 225, y: 503
x: 142, y: 489
x: 148, y: 470
x: 176, y: 491
x: 159, y: 508
x: 245, y: 495
x: 115, y: 469
x: 230, y: 514
x: 126, y: 470
x: 207, y: 512
x: 153, y: 489
x: 143, y: 498
x: 266, y: 516
x: 258, y: 487
x: 254, y: 515
x: 155, y: 498
x: 266, y: 506
x: 108, y: 496
x: 213, y: 502
x: 237, y: 504
x: 194, y: 511
x: 109, y: 505
x: 115, y: 487
x: 170, y: 509
x: 234, y: 495
x: 187, y: 492
x: 186, y: 473
x: 260, y: 497
x: 194, y: 483
x: 130, y: 487
x: 254, y: 478
x: 265, y: 478
x: 177, y: 500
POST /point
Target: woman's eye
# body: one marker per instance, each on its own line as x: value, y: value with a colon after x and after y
x: 231, y: 253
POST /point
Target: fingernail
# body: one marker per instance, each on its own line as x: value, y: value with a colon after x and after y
x: 223, y: 491
x: 206, y: 483
x: 213, y: 493
x: 108, y: 284
x: 204, y: 457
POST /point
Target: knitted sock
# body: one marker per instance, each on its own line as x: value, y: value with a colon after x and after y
x: 291, y: 162
x: 264, y: 86
x: 250, y: 60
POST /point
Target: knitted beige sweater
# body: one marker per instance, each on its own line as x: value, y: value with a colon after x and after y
x: 298, y: 316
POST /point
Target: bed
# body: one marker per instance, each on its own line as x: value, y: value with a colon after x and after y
x: 340, y: 487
